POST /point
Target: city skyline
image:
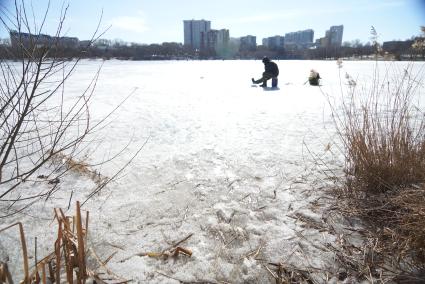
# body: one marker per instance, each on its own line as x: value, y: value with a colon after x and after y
x: 146, y: 22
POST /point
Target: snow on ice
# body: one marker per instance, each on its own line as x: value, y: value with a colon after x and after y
x: 225, y: 161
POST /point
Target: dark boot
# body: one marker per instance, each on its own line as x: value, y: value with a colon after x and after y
x: 257, y: 81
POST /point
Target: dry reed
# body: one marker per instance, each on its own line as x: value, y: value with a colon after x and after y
x: 382, y: 133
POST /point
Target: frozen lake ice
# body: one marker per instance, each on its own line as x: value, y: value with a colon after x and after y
x: 224, y: 160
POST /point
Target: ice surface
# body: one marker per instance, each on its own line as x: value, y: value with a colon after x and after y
x: 225, y: 161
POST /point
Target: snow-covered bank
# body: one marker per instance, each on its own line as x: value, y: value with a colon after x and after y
x: 225, y: 161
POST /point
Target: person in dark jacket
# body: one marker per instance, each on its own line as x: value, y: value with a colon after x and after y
x: 271, y: 71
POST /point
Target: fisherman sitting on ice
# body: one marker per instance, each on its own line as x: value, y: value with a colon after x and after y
x: 271, y: 71
x: 314, y: 78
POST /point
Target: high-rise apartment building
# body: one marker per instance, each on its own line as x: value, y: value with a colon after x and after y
x: 195, y: 32
x: 335, y: 35
x: 300, y: 38
x: 332, y: 38
x: 223, y: 38
x: 274, y: 42
x: 248, y: 43
x: 215, y: 39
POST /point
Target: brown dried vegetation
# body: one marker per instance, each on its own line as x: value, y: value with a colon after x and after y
x: 382, y: 133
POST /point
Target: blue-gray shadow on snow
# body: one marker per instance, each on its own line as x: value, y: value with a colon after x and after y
x: 266, y: 88
x: 271, y: 88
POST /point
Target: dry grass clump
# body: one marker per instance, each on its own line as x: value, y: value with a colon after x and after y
x: 383, y: 133
x: 79, y: 166
x: 382, y: 130
x: 69, y: 259
x: 410, y: 221
x: 396, y: 219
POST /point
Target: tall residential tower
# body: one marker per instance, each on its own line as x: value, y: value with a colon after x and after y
x: 194, y: 31
x: 216, y: 39
x: 332, y: 38
x: 336, y: 33
x: 299, y: 39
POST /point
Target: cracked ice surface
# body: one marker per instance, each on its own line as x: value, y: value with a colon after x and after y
x: 224, y: 160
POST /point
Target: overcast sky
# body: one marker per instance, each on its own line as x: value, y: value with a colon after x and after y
x: 157, y: 21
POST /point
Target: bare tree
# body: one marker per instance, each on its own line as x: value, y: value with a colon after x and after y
x: 40, y: 128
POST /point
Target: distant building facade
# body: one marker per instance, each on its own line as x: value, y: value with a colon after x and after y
x: 28, y: 40
x: 223, y: 38
x: 69, y: 42
x: 335, y: 35
x: 395, y: 46
x: 195, y: 32
x: 332, y: 38
x: 300, y: 39
x: 248, y: 43
x: 215, y: 39
x: 274, y: 42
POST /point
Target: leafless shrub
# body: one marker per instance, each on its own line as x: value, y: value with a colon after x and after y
x: 39, y: 124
